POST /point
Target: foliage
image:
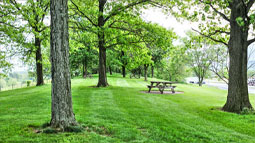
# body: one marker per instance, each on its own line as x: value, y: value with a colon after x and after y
x: 174, y: 67
x: 26, y: 31
x: 220, y: 62
x: 200, y: 55
x: 2, y: 83
x: 24, y: 21
x: 4, y: 64
x: 12, y: 81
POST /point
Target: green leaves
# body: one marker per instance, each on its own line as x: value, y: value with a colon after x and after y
x: 240, y: 21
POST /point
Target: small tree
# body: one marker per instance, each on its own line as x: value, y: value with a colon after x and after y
x: 2, y: 84
x: 12, y: 82
x: 200, y: 55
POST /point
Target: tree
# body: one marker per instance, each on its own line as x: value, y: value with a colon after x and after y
x: 174, y: 65
x: 4, y: 64
x: 12, y: 82
x: 2, y: 84
x: 220, y: 62
x: 238, y: 18
x: 83, y: 53
x: 200, y: 55
x: 103, y: 17
x: 20, y: 20
x: 159, y: 40
x: 62, y: 115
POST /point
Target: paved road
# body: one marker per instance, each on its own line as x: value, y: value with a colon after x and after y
x: 225, y: 86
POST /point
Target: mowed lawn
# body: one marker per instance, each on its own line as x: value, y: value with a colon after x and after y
x: 121, y: 113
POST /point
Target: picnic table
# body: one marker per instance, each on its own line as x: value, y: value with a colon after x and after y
x: 162, y: 85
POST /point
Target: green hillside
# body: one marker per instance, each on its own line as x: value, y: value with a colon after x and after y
x: 122, y: 113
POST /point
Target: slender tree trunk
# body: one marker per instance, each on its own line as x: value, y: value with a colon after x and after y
x: 200, y: 82
x: 123, y: 64
x: 110, y: 69
x: 124, y: 71
x: 62, y: 114
x: 152, y: 71
x: 39, y: 66
x: 85, y: 67
x: 238, y: 97
x: 102, y: 81
x: 145, y: 72
x: 139, y: 72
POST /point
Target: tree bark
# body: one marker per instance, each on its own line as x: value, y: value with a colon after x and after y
x: 62, y: 114
x: 238, y: 97
x: 152, y: 71
x: 146, y: 72
x: 85, y: 67
x: 110, y: 70
x: 139, y: 72
x: 123, y: 64
x: 124, y: 71
x: 102, y: 80
x: 39, y: 66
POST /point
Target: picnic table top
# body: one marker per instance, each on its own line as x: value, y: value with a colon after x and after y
x: 169, y: 82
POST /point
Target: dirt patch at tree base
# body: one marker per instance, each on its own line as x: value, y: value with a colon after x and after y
x: 165, y: 92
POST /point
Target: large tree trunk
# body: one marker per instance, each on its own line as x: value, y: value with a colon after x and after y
x: 102, y: 80
x: 39, y: 66
x: 238, y: 97
x: 62, y: 114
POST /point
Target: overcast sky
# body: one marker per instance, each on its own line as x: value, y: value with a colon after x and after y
x: 156, y: 16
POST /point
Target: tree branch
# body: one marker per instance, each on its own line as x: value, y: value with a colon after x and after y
x: 115, y: 12
x: 209, y: 36
x: 250, y: 4
x: 89, y: 19
x: 251, y: 41
x: 220, y: 13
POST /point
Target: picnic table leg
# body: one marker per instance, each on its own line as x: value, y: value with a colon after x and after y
x: 149, y: 89
x: 161, y: 89
x: 172, y: 89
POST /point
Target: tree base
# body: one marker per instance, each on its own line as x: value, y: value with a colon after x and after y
x: 102, y: 84
x: 234, y: 108
x: 39, y: 84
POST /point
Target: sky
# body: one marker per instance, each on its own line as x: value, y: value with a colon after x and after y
x: 153, y: 15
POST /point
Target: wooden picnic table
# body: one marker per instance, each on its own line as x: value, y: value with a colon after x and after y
x: 162, y: 85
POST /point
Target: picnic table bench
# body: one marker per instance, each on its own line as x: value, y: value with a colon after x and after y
x: 162, y: 85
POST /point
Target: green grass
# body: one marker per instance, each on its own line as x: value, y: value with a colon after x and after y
x: 121, y: 113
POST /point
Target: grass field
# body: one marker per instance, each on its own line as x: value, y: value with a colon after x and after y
x: 121, y: 113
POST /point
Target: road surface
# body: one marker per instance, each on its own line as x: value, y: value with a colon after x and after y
x: 224, y: 86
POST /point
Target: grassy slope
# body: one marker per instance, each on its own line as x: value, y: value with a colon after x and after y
x: 121, y: 113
